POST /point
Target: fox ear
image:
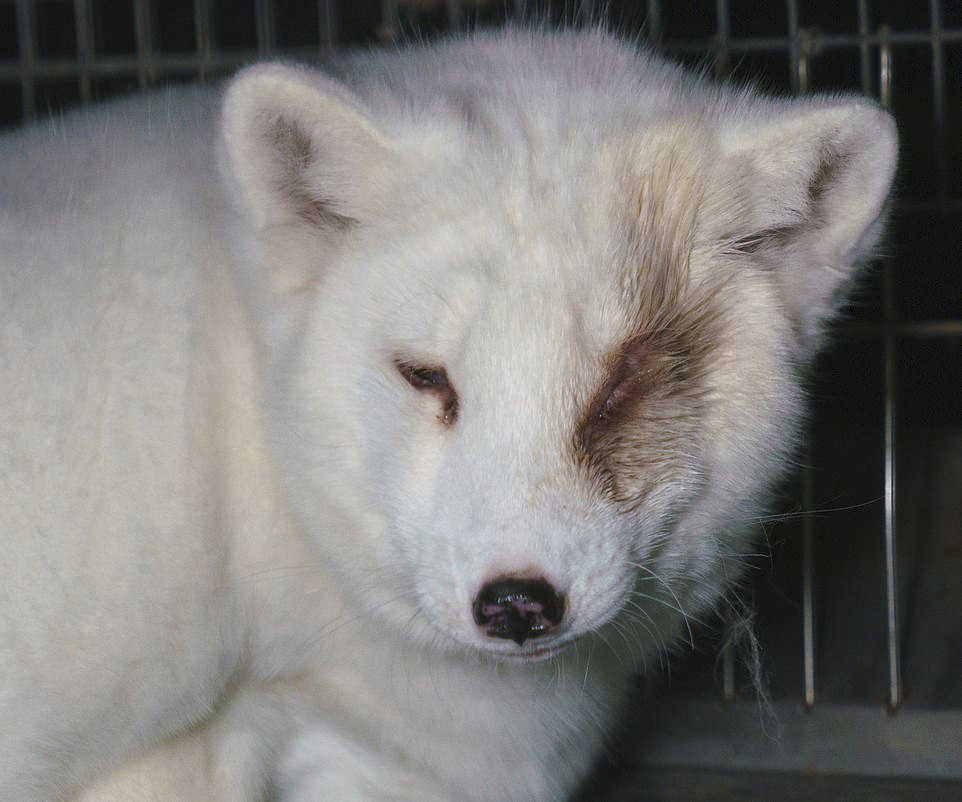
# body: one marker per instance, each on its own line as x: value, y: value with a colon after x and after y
x: 302, y: 158
x: 817, y: 176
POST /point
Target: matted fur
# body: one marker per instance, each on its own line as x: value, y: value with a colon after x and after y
x: 291, y: 370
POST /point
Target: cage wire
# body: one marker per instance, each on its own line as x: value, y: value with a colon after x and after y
x: 858, y: 594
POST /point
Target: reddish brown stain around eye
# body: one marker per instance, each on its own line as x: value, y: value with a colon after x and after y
x: 643, y: 416
x: 432, y: 379
x: 625, y: 384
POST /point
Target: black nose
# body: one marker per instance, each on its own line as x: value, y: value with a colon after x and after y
x: 518, y: 609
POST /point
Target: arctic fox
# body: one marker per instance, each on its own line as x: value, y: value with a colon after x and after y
x: 362, y: 432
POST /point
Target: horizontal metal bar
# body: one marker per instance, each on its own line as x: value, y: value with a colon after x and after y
x: 819, y: 41
x: 121, y: 65
x: 191, y: 62
x: 929, y: 206
x: 921, y: 329
x: 828, y: 739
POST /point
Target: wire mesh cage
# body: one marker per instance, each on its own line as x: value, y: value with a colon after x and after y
x: 858, y: 591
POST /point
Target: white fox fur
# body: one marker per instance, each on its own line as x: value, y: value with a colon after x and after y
x: 243, y: 529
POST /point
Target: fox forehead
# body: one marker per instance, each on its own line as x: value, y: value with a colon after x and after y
x: 608, y: 219
x: 480, y: 269
x: 583, y: 258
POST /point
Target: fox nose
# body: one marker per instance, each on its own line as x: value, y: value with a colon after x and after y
x: 518, y: 609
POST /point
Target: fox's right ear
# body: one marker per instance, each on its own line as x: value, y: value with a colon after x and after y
x: 302, y: 157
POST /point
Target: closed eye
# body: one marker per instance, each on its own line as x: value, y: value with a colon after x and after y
x: 431, y: 379
x: 629, y: 375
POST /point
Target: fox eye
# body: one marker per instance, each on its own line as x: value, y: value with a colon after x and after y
x: 614, y: 399
x: 432, y: 379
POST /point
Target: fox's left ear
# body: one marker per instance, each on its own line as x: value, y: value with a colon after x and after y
x: 303, y: 160
x: 818, y: 176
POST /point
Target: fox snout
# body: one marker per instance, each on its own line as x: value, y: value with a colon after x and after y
x: 518, y: 609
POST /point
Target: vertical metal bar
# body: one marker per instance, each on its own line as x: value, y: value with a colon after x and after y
x: 803, y: 61
x: 587, y: 12
x: 728, y: 673
x: 389, y: 21
x: 455, y: 15
x: 808, y: 578
x: 266, y: 30
x: 864, y: 60
x: 721, y: 66
x: 938, y: 97
x: 83, y: 30
x: 802, y: 77
x: 888, y: 296
x: 891, y: 576
x: 144, y: 31
x: 326, y: 24
x: 202, y: 37
x: 724, y: 21
x: 654, y: 22
x: 27, y: 44
x: 791, y: 8
x: 723, y: 37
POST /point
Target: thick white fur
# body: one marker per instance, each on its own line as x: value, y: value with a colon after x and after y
x: 239, y: 551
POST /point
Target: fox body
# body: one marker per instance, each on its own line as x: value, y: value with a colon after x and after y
x: 363, y: 432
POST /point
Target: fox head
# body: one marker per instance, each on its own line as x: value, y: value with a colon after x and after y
x: 533, y: 322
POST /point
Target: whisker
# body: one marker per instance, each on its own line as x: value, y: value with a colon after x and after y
x: 678, y: 608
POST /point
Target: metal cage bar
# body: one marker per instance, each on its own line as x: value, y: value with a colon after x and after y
x: 864, y: 56
x: 83, y: 25
x: 808, y: 583
x: 266, y: 29
x: 722, y: 38
x: 938, y: 94
x: 824, y: 41
x: 326, y: 24
x: 654, y: 21
x: 203, y: 37
x: 27, y: 46
x: 890, y: 391
x: 722, y: 34
x: 801, y: 77
x: 144, y: 33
